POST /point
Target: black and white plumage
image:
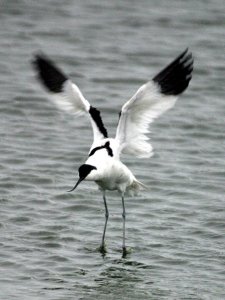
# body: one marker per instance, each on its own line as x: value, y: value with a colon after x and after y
x: 152, y: 99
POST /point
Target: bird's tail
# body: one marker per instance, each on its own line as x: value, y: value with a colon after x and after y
x: 140, y: 185
x: 135, y: 187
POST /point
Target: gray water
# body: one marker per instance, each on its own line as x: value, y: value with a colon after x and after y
x: 175, y: 231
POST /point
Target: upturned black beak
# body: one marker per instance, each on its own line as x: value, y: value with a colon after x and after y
x: 78, y: 182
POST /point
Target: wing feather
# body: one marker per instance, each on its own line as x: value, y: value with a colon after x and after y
x: 149, y: 102
x: 66, y: 95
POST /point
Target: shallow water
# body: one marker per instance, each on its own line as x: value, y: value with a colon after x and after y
x: 48, y: 237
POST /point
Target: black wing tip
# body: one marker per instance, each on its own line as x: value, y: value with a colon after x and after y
x: 96, y: 116
x: 175, y: 78
x: 48, y: 73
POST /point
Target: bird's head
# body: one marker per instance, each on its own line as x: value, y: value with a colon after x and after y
x: 85, y: 172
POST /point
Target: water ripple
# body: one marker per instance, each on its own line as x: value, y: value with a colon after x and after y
x: 175, y: 230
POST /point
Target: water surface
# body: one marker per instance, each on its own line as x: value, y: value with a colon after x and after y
x: 48, y: 237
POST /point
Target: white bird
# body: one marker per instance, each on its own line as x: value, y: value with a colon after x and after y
x: 103, y: 164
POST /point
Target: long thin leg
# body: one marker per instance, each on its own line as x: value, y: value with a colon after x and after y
x: 102, y: 248
x: 124, y: 220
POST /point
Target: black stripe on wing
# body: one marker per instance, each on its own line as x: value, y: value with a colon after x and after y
x: 96, y: 116
x: 174, y: 79
x: 50, y: 75
x: 106, y: 146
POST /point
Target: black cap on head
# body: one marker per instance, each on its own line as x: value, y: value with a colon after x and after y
x: 84, y: 170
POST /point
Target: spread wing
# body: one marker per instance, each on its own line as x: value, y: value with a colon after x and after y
x: 66, y: 95
x: 149, y: 102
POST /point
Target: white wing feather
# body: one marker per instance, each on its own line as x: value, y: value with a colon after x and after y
x: 136, y: 115
x: 71, y: 99
x: 150, y: 101
x: 66, y: 95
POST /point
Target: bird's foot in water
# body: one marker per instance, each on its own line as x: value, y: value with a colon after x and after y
x: 102, y: 250
x: 124, y: 252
